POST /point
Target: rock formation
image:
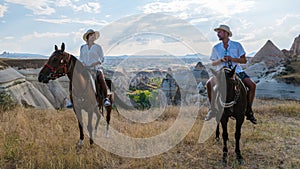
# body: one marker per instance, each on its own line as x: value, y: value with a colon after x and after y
x: 24, y: 89
x: 200, y: 73
x: 295, y: 49
x: 270, y: 54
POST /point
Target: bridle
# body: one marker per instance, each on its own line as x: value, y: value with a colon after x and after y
x: 55, y: 72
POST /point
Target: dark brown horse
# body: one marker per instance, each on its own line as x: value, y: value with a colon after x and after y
x: 230, y: 100
x: 85, y: 93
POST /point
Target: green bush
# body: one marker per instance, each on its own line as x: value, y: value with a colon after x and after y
x: 156, y: 80
x: 290, y: 69
x: 142, y: 98
x: 6, y: 102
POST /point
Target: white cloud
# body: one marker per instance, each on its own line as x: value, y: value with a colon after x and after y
x: 40, y: 7
x: 47, y: 7
x: 173, y: 6
x: 9, y: 37
x: 199, y: 20
x: 45, y: 35
x: 89, y: 7
x: 91, y: 22
x: 153, y: 31
x: 284, y: 19
x: 3, y: 9
x: 43, y: 43
x: 204, y: 7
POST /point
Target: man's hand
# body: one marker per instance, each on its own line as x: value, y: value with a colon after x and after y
x: 227, y: 58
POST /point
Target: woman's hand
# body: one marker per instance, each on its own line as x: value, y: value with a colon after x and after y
x: 95, y: 63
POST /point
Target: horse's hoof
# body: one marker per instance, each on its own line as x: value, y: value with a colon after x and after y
x: 91, y: 141
x: 80, y: 143
x: 95, y: 133
x: 241, y: 161
x: 224, y: 162
x: 217, y: 139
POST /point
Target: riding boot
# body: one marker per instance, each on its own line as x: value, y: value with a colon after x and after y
x: 250, y: 116
x: 106, y: 102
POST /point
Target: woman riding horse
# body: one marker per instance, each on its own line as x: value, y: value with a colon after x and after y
x: 91, y: 55
x: 83, y: 89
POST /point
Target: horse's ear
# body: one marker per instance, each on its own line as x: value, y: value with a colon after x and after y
x: 63, y: 47
x: 232, y: 71
x: 56, y: 48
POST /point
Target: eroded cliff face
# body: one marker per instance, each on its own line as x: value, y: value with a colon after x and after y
x: 23, y: 87
x: 295, y: 49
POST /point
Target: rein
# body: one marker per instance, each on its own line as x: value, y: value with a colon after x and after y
x: 237, y: 93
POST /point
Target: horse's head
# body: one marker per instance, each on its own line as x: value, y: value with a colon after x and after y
x: 56, y: 65
x: 226, y: 83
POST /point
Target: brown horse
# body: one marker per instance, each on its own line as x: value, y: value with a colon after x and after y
x: 85, y: 93
x: 230, y: 100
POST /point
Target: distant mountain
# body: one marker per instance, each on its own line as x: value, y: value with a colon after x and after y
x: 251, y: 54
x: 22, y: 56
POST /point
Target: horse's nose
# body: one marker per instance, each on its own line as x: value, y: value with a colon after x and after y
x: 43, y: 78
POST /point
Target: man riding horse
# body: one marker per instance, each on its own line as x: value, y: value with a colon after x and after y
x: 91, y: 55
x: 229, y: 53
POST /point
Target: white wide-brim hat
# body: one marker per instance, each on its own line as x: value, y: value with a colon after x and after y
x: 89, y: 32
x: 224, y: 28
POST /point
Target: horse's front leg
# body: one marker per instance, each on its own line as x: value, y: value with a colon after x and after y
x: 77, y: 111
x: 90, y: 127
x: 218, y: 132
x: 239, y: 123
x: 81, y: 134
x: 98, y: 115
x: 224, y: 122
x: 108, y: 114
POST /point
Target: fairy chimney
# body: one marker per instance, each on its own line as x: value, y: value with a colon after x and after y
x: 295, y: 49
x: 270, y: 54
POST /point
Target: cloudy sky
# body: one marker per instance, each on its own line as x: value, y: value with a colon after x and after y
x: 34, y: 26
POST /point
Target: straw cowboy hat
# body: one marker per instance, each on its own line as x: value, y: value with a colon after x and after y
x: 224, y: 28
x: 89, y: 32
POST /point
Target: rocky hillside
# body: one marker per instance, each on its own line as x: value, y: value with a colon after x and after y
x: 291, y: 73
x: 276, y: 73
x: 23, y: 87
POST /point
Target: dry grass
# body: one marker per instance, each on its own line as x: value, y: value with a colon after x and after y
x: 31, y: 138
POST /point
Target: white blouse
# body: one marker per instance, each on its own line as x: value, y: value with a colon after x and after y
x: 92, y: 55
